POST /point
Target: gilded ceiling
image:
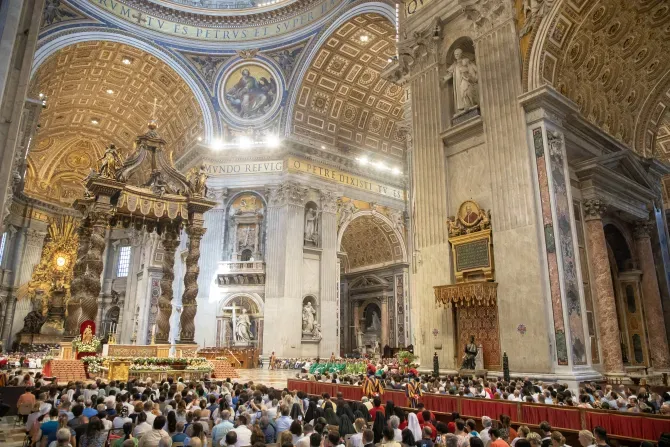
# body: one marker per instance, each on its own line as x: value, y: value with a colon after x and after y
x: 94, y: 99
x: 343, y: 101
x: 370, y: 241
x: 610, y: 57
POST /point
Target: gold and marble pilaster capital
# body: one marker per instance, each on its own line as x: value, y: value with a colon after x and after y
x: 420, y: 51
x: 594, y: 209
x: 288, y: 193
x: 34, y: 237
x: 487, y: 15
x: 642, y: 229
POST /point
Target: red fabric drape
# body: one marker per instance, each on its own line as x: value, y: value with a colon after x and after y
x: 397, y: 397
x: 351, y: 392
x: 46, y: 369
x: 441, y: 403
x: 490, y: 408
x: 560, y: 417
x: 630, y: 426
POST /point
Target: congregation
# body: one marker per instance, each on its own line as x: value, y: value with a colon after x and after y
x: 231, y: 414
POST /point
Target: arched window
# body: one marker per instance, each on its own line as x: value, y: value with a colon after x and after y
x: 246, y: 255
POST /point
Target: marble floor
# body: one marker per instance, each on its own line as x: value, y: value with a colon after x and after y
x: 275, y: 378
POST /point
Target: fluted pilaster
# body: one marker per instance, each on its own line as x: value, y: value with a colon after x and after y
x: 189, y: 299
x: 330, y: 307
x: 170, y: 244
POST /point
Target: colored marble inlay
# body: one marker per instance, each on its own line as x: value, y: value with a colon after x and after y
x: 550, y: 243
x: 567, y: 250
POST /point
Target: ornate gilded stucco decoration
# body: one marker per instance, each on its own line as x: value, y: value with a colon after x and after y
x: 50, y: 282
x: 482, y: 293
x: 470, y: 219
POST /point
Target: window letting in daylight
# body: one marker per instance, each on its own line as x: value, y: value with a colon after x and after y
x: 124, y: 262
x: 2, y: 246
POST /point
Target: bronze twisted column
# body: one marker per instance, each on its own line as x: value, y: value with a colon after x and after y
x: 170, y: 244
x: 189, y: 298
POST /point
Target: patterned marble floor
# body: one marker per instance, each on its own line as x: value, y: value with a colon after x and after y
x: 9, y: 435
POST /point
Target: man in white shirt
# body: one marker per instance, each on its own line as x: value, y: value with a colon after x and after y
x: 484, y: 434
x: 148, y: 406
x: 308, y: 429
x: 111, y: 399
x: 242, y: 431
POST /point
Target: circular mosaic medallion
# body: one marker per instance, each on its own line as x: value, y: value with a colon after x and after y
x: 251, y: 92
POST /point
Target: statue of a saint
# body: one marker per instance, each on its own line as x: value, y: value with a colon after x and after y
x: 359, y: 339
x: 197, y: 179
x: 470, y: 354
x: 316, y: 332
x: 310, y: 225
x: 346, y: 210
x: 466, y: 82
x: 243, y: 327
x: 308, y: 317
x: 376, y: 325
x: 110, y: 162
x: 87, y: 336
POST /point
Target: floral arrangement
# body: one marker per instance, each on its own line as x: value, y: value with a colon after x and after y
x: 81, y: 346
x: 93, y: 363
x: 406, y: 358
x: 145, y: 367
x: 202, y: 366
x: 225, y: 359
x: 46, y: 359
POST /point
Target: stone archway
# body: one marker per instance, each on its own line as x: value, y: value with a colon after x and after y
x: 230, y: 322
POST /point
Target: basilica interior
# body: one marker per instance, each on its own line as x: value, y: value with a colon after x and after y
x: 331, y: 177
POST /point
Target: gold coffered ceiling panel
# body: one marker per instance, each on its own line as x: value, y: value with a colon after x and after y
x: 610, y: 57
x: 370, y: 241
x: 343, y: 101
x: 76, y: 81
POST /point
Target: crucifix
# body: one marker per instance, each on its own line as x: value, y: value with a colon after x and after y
x: 234, y: 308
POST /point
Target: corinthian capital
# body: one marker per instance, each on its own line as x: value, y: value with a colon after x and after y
x: 487, y: 14
x: 594, y: 209
x: 642, y: 229
x: 288, y: 193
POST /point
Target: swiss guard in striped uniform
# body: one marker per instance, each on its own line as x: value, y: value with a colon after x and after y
x: 372, y: 385
x: 413, y: 391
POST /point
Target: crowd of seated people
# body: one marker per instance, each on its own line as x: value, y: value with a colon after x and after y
x: 227, y: 414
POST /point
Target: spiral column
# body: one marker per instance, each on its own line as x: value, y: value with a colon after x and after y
x: 170, y: 244
x: 189, y: 298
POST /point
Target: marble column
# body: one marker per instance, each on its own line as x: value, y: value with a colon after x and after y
x: 606, y: 316
x: 283, y: 287
x: 189, y: 299
x: 355, y: 308
x: 651, y: 298
x: 329, y: 307
x: 170, y: 244
x: 28, y: 256
x: 385, y: 323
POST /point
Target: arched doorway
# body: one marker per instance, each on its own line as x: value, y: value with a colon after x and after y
x: 626, y: 282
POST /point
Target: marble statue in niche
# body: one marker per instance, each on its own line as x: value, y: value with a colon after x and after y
x: 463, y: 73
x: 243, y: 327
x: 376, y: 324
x: 308, y: 318
x: 311, y: 235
